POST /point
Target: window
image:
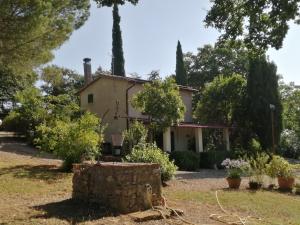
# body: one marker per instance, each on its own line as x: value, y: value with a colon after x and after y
x: 90, y: 98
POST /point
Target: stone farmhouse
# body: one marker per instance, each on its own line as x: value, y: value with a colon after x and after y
x: 109, y: 97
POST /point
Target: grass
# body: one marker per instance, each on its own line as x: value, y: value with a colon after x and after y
x: 34, y: 191
x: 272, y: 207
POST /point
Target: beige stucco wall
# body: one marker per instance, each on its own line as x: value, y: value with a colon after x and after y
x: 108, y: 91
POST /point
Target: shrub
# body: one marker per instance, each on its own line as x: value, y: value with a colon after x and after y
x: 150, y: 153
x: 211, y: 158
x: 72, y: 141
x: 290, y: 144
x: 186, y: 160
x: 279, y: 167
x: 137, y: 133
x: 258, y: 167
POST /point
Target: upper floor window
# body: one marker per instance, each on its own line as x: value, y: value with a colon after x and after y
x: 90, y: 98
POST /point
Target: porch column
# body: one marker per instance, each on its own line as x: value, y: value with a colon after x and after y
x: 226, y: 138
x: 199, y: 140
x: 167, y: 140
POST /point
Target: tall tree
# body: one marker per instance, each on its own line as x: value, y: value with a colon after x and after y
x: 110, y: 3
x: 263, y: 91
x: 181, y: 77
x: 59, y: 81
x: 261, y: 24
x: 31, y: 29
x: 117, y: 64
x: 10, y: 83
x: 212, y: 61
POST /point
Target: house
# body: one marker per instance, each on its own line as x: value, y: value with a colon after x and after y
x: 109, y: 98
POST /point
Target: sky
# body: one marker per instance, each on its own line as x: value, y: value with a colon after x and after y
x: 150, y: 32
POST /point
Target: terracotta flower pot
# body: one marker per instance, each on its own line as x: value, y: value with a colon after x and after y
x: 286, y: 183
x: 234, y: 182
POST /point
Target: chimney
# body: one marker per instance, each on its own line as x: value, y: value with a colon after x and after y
x: 87, y: 71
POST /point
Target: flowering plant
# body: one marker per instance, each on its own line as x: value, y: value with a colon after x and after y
x: 235, y: 168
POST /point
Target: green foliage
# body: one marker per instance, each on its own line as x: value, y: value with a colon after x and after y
x: 31, y: 29
x: 222, y: 101
x: 290, y: 144
x: 259, y: 23
x: 262, y: 90
x: 291, y: 110
x: 212, y: 61
x: 279, y: 167
x: 186, y: 160
x: 10, y: 83
x: 149, y: 153
x: 254, y: 146
x: 117, y: 64
x: 137, y: 133
x: 258, y: 167
x: 58, y: 81
x: 110, y: 3
x: 181, y: 76
x: 210, y: 159
x: 73, y: 141
x: 34, y: 109
x: 162, y: 102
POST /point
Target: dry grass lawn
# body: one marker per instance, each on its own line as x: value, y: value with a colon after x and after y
x: 34, y: 191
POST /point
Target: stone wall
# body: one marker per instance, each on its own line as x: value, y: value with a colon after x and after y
x: 121, y: 187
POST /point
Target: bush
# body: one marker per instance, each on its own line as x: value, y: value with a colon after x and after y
x: 211, y: 158
x: 279, y: 167
x: 150, y: 153
x: 137, y: 133
x: 290, y: 144
x: 186, y: 160
x: 258, y: 167
x: 72, y: 141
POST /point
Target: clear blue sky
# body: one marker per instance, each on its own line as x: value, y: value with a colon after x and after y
x: 150, y: 32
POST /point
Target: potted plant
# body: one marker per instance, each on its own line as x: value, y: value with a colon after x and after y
x: 283, y: 170
x: 235, y: 169
x: 257, y: 170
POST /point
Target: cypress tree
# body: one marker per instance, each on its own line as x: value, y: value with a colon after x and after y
x: 262, y: 90
x: 117, y: 64
x: 181, y: 76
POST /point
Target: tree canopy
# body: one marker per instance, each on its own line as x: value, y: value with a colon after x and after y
x: 31, y: 29
x: 261, y: 24
x: 110, y: 3
x: 212, y: 61
x: 10, y: 83
x: 161, y: 101
x: 222, y: 101
x: 58, y: 81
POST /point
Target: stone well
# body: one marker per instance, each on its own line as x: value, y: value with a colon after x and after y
x: 121, y: 187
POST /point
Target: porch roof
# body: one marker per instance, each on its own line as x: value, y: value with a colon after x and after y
x: 196, y: 125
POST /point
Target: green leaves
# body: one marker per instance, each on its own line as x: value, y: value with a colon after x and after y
x: 261, y: 24
x: 162, y: 102
x: 222, y: 101
x: 31, y: 29
x: 150, y: 153
x: 110, y: 3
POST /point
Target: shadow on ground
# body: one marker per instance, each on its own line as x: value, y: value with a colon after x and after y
x: 49, y: 173
x: 204, y: 173
x: 72, y: 211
